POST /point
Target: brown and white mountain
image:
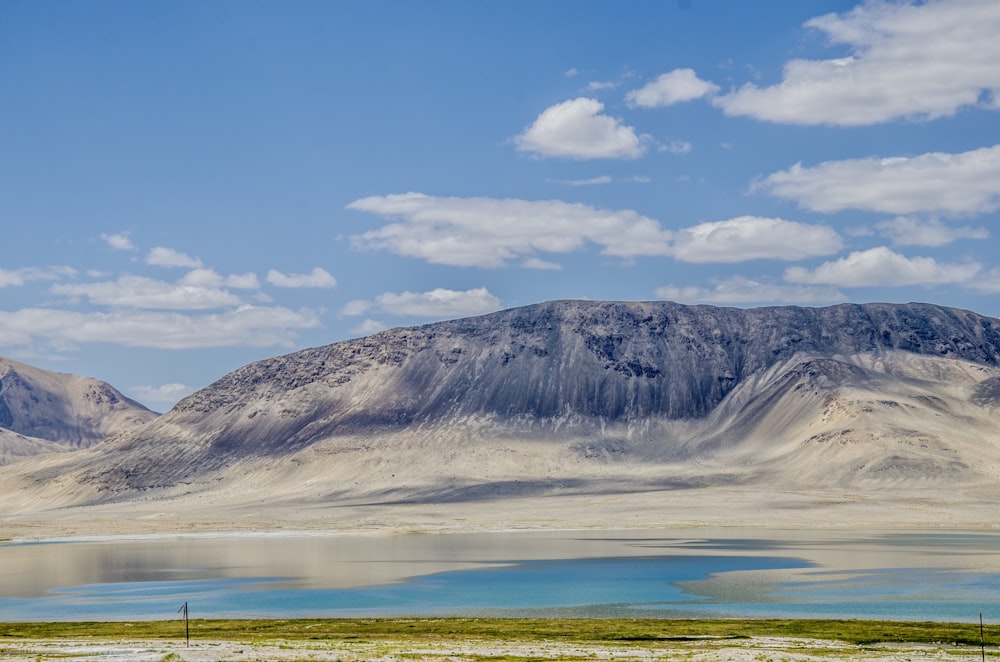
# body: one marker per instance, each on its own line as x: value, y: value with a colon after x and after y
x: 595, y: 400
x: 43, y: 411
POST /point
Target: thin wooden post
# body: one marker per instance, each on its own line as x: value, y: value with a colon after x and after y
x: 187, y: 627
x: 982, y: 639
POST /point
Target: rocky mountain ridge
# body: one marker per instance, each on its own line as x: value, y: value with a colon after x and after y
x: 578, y: 397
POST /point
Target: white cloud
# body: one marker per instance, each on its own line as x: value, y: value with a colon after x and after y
x: 909, y: 231
x: 881, y: 267
x: 535, y: 263
x: 491, y: 232
x: 368, y: 327
x: 247, y: 281
x: 739, y: 290
x: 603, y: 179
x: 198, y: 293
x: 168, y: 257
x: 356, y: 307
x: 18, y: 277
x: 576, y: 129
x: 119, y: 242
x: 209, y: 278
x: 923, y: 60
x: 440, y: 303
x: 167, y: 393
x: 246, y: 326
x: 315, y: 278
x: 754, y: 238
x: 598, y: 85
x: 670, y: 88
x: 676, y: 147
x: 571, y: 72
x: 955, y: 184
x: 987, y: 282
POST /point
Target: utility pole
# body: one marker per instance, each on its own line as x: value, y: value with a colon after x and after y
x: 982, y: 639
x: 187, y: 627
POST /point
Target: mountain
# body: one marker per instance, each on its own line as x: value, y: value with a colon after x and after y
x: 590, y: 400
x: 43, y: 411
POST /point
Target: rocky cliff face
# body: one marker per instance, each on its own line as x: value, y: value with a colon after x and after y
x: 43, y: 411
x: 572, y: 392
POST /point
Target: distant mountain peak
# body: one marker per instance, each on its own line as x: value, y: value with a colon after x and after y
x: 51, y: 411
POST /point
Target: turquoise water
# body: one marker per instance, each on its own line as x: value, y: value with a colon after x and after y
x: 668, y: 577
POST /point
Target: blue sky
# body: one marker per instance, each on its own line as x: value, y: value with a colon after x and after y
x: 188, y: 186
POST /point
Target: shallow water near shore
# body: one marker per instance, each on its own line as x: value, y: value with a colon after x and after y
x: 943, y: 576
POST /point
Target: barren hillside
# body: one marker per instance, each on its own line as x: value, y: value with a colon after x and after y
x: 583, y: 402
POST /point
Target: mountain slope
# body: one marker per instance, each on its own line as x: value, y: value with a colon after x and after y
x: 574, y: 397
x: 43, y: 411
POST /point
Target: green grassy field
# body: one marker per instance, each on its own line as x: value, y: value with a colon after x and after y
x: 622, y: 631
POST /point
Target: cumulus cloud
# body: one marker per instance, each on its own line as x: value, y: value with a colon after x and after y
x: 950, y: 184
x: 754, y: 238
x: 492, y: 232
x: 316, y: 278
x: 909, y: 231
x: 576, y: 129
x: 740, y: 290
x: 670, y: 88
x: 246, y: 326
x: 168, y: 257
x: 885, y: 268
x: 440, y: 303
x: 906, y: 59
x: 119, y: 241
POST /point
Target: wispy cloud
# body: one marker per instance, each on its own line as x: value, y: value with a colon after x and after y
x: 936, y: 182
x: 603, y: 179
x: 246, y: 326
x: 18, y: 277
x: 168, y: 257
x: 149, y: 293
x: 165, y: 394
x: 739, y: 290
x: 316, y: 278
x: 884, y: 267
x: 909, y: 231
x: 438, y: 303
x: 492, y: 232
x: 368, y: 327
x: 754, y: 238
x: 676, y: 147
x: 119, y: 241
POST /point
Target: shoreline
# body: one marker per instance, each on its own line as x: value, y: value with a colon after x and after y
x: 281, y: 532
x: 351, y: 640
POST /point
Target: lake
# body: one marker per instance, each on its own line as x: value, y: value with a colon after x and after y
x: 923, y: 575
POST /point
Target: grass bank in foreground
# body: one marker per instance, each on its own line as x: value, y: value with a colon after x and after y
x: 429, y: 630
